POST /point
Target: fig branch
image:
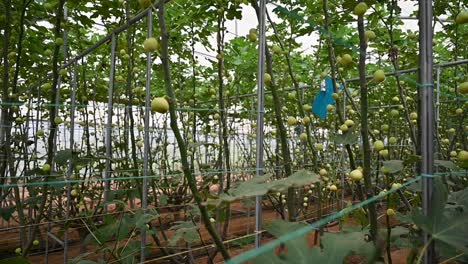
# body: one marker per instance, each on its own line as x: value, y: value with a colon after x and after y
x: 180, y: 141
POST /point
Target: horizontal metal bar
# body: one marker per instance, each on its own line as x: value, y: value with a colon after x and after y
x: 440, y: 65
x: 452, y: 63
x: 384, y: 106
x: 107, y: 38
x: 416, y: 18
x: 116, y: 31
x: 55, y: 238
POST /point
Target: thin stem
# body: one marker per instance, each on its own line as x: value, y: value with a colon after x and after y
x: 423, y: 250
x: 452, y: 258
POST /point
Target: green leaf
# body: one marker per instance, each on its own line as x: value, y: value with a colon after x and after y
x: 163, y: 199
x: 412, y: 159
x: 128, y: 252
x: 336, y: 247
x: 248, y: 203
x: 17, y: 260
x: 446, y: 164
x: 86, y: 262
x: 63, y: 156
x: 80, y: 259
x: 444, y: 226
x: 102, y: 234
x: 195, y: 211
x: 393, y: 166
x: 6, y: 212
x: 297, y: 179
x: 243, y: 241
x: 254, y: 187
x: 258, y: 186
x: 175, y: 238
x: 144, y: 219
x: 191, y: 236
x: 237, y: 61
x: 457, y: 203
x: 395, y: 234
x: 339, y: 246
x: 415, y: 187
x: 123, y: 227
x: 446, y: 251
x: 347, y: 138
x: 186, y: 231
x: 463, y: 164
x: 404, y: 218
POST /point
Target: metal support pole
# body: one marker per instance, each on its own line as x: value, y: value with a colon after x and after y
x: 70, y: 165
x: 109, y: 120
x: 260, y: 110
x: 343, y: 158
x: 72, y: 115
x: 426, y: 90
x: 144, y: 200
x: 438, y: 95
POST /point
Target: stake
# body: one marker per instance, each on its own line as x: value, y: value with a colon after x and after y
x: 427, y: 112
x: 343, y: 158
x: 70, y: 166
x: 260, y: 110
x: 144, y: 200
x: 438, y: 95
x: 72, y: 131
x: 109, y: 120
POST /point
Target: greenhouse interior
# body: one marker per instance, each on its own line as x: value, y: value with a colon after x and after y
x: 242, y: 131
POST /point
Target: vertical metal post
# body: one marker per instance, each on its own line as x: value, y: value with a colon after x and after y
x: 70, y: 165
x: 260, y: 110
x: 72, y: 115
x: 110, y: 103
x: 206, y: 149
x: 438, y: 95
x: 236, y: 27
x: 343, y: 158
x: 426, y: 91
x: 144, y: 201
x: 65, y: 33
